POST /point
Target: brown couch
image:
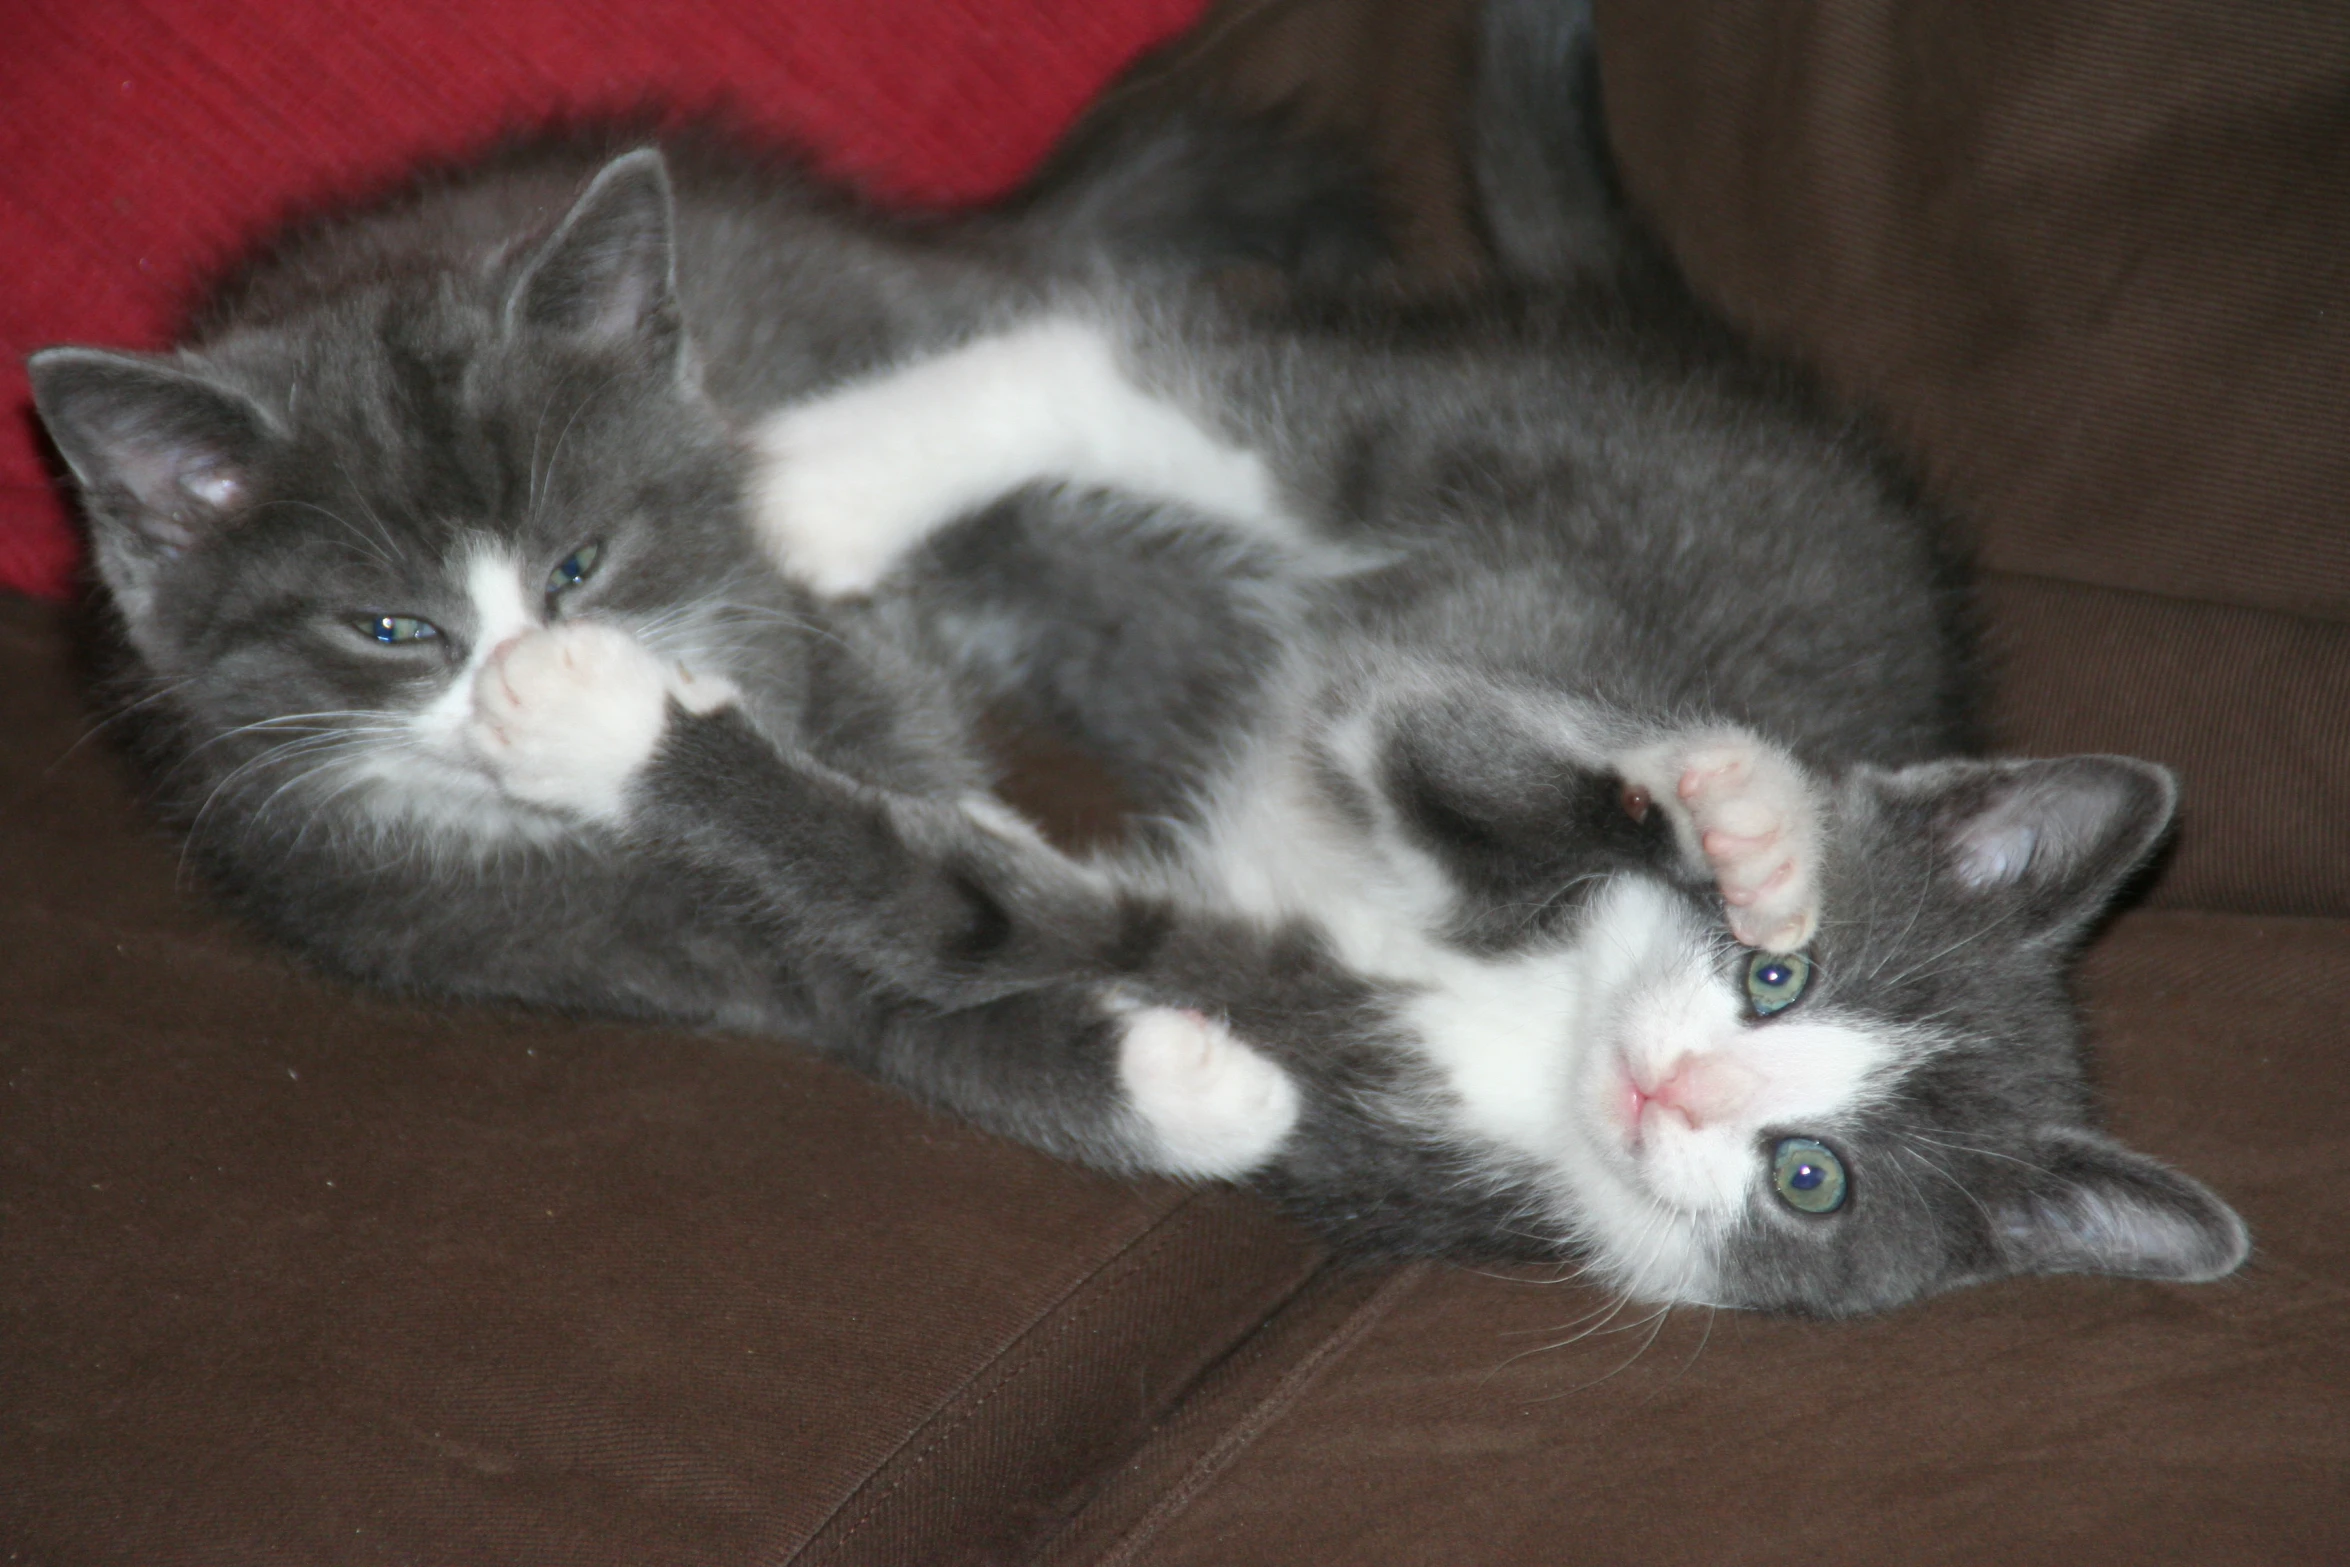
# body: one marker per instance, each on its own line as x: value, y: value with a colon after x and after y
x: 290, y: 1274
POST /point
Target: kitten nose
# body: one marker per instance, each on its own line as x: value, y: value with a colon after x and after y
x: 1670, y: 1092
x: 1700, y: 1089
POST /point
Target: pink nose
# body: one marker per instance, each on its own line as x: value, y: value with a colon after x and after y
x: 1698, y: 1089
x: 1675, y: 1092
x: 1663, y: 1096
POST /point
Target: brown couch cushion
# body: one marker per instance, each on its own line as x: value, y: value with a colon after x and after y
x: 2087, y: 254
x: 292, y: 1273
x: 2251, y: 706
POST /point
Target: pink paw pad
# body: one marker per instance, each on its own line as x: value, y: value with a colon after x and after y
x: 1754, y: 822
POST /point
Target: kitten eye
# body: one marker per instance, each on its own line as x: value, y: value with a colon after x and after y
x: 575, y: 569
x: 395, y: 630
x: 1775, y: 981
x: 1808, y: 1177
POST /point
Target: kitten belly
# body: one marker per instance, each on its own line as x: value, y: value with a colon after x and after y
x: 1277, y: 849
x: 1504, y: 1034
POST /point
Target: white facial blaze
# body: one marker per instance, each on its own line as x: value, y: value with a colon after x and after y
x: 502, y: 611
x: 434, y: 775
x: 1696, y: 1084
x: 1678, y: 1086
x: 551, y: 718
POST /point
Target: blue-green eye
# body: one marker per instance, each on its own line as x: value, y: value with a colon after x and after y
x: 1775, y: 981
x: 395, y: 630
x: 575, y: 569
x: 1808, y: 1177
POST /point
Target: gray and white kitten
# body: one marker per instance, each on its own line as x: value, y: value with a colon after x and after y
x: 1572, y: 860
x: 1614, y: 722
x: 340, y: 521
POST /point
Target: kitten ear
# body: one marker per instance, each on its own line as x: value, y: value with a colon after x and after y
x: 2093, y: 1206
x: 608, y: 275
x: 2053, y: 840
x: 155, y: 446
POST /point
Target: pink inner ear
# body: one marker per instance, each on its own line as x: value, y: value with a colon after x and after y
x: 165, y: 472
x: 1995, y: 853
x: 182, y: 490
x: 637, y: 283
x: 215, y: 487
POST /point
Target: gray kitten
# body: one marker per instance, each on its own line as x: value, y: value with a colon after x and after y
x: 1546, y: 699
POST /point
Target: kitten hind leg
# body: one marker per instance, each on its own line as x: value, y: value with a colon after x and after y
x: 850, y: 483
x: 1748, y: 813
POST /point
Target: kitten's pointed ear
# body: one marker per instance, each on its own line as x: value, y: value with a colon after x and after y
x: 2093, y: 1206
x: 608, y: 274
x: 158, y: 449
x: 2052, y: 841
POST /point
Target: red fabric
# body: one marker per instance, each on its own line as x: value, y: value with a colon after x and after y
x: 144, y: 139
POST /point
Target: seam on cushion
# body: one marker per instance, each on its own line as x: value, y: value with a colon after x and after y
x: 1103, y: 1283
x: 1989, y: 574
x: 1211, y: 1465
x: 2206, y: 741
x: 239, y: 949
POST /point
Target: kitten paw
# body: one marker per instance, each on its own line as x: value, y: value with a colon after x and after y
x: 1216, y: 1107
x: 1747, y: 812
x: 564, y: 718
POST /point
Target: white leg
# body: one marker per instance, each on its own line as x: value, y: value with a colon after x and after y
x: 850, y: 483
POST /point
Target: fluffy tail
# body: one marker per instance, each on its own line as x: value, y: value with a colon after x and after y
x: 1538, y: 144
x: 1192, y: 185
x: 1161, y: 174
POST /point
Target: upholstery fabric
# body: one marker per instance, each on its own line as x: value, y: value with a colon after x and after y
x: 2086, y: 256
x: 2251, y: 707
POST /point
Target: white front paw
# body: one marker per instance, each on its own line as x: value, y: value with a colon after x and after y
x: 1215, y: 1107
x: 1747, y: 811
x: 565, y: 718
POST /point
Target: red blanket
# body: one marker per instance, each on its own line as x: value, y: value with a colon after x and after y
x: 143, y: 140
